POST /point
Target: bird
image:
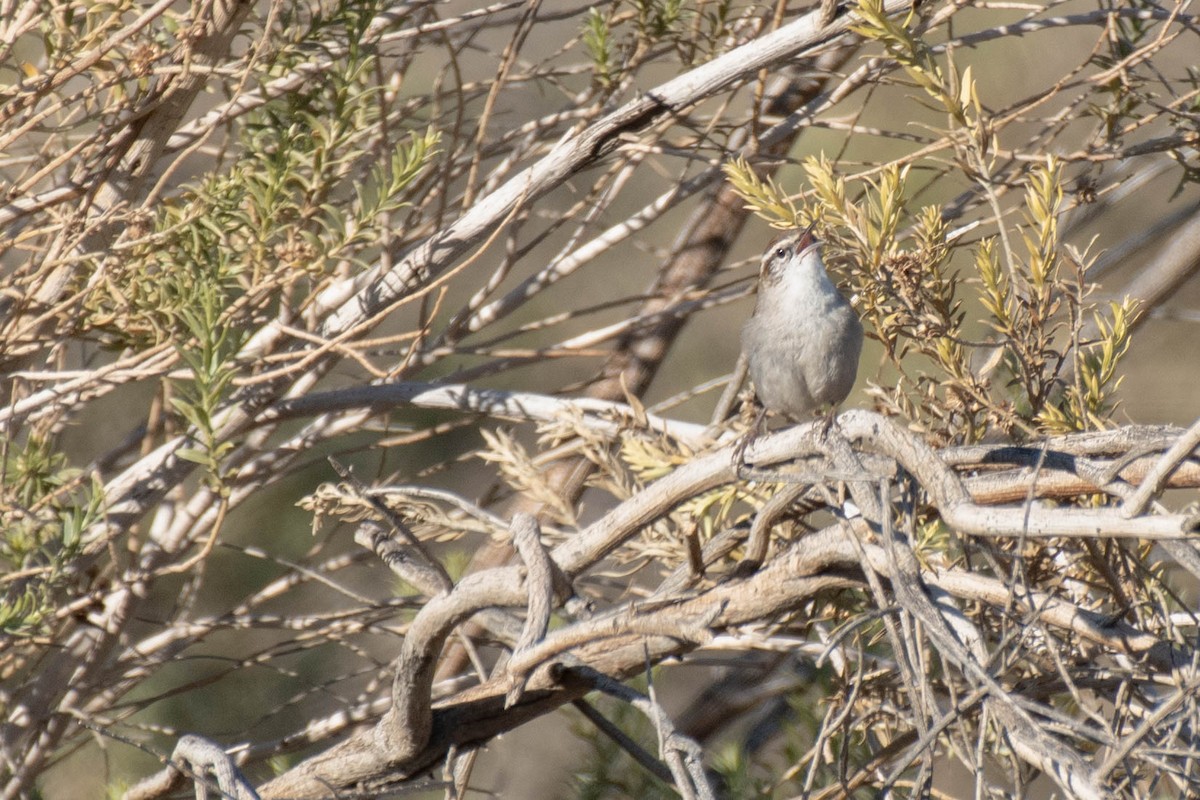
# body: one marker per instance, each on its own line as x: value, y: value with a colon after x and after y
x: 803, y: 341
x: 801, y: 348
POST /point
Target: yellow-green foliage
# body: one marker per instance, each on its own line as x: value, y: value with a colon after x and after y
x: 1051, y: 362
x: 763, y: 197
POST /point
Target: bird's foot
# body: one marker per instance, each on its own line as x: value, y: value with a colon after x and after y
x: 828, y: 422
x: 740, y: 468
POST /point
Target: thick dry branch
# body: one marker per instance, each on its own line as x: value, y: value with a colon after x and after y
x: 950, y: 496
x: 539, y: 584
x: 1156, y: 479
x: 880, y: 435
x: 614, y: 644
x: 197, y: 758
x: 603, y: 416
x: 413, y: 734
x: 480, y: 713
x: 1062, y: 458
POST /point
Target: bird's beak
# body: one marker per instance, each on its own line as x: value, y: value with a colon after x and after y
x: 807, y: 241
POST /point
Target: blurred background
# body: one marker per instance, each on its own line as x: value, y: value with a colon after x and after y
x: 199, y: 200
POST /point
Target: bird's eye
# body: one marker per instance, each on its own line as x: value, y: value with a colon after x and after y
x: 781, y: 252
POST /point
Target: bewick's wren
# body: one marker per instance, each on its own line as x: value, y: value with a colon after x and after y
x: 803, y: 341
x: 801, y: 348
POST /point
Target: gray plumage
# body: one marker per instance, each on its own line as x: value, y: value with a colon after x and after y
x: 803, y: 342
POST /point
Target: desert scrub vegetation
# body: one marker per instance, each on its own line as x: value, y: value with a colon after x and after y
x: 370, y: 392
